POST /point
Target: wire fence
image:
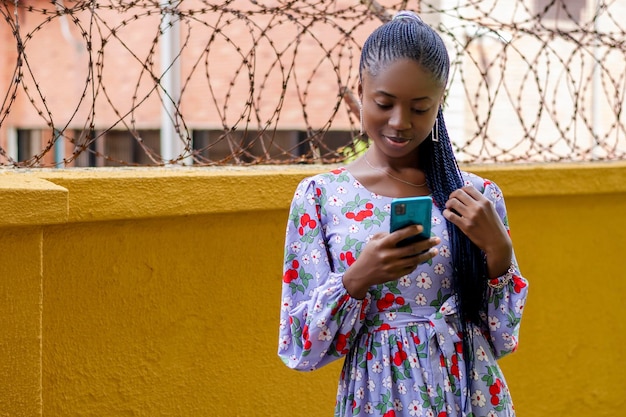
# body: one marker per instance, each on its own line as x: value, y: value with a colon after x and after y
x: 97, y: 83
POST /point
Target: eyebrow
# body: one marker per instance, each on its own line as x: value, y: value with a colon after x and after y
x: 384, y: 93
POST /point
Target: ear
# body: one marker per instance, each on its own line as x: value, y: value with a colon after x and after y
x: 442, y: 99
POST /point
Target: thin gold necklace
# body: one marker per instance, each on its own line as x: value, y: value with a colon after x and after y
x: 392, y: 176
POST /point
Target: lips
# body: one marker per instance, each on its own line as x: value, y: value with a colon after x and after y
x: 398, y: 140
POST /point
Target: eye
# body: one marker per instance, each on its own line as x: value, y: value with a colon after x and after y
x: 419, y: 111
x: 384, y: 106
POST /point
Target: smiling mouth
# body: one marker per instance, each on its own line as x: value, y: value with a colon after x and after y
x: 398, y: 139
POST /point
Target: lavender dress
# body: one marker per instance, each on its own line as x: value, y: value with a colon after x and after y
x: 403, y: 354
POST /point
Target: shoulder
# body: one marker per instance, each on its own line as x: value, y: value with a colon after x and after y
x: 324, y: 179
x: 487, y: 187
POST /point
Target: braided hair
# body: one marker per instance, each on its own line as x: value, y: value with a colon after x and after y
x: 406, y: 36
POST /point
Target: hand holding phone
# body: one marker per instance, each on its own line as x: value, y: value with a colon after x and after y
x: 411, y: 211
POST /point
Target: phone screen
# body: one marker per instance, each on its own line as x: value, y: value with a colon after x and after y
x: 409, y: 211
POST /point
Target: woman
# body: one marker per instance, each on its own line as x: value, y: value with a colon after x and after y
x: 420, y: 326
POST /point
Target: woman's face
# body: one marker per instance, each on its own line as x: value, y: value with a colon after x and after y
x: 400, y: 105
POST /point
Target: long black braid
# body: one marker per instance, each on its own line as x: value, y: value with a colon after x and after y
x: 408, y: 37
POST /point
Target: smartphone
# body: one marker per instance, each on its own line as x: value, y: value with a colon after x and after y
x: 412, y: 210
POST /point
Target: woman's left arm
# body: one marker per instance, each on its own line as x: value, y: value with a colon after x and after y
x: 482, y: 216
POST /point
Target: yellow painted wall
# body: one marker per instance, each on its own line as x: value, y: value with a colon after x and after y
x: 155, y: 292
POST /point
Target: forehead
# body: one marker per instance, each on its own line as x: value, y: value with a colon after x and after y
x: 402, y: 78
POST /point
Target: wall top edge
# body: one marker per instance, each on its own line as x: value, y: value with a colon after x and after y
x: 41, y: 196
x: 26, y: 200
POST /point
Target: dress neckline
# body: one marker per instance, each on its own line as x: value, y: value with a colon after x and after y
x: 345, y: 169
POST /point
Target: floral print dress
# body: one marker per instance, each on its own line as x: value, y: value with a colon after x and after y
x: 403, y: 354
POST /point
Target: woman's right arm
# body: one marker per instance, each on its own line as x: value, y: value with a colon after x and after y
x: 319, y: 320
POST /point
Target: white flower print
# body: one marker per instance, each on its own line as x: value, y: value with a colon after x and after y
x: 335, y: 219
x: 387, y: 208
x: 337, y: 239
x: 430, y: 413
x: 492, y: 414
x: 360, y: 393
x: 494, y: 323
x: 284, y: 343
x: 357, y: 184
x: 446, y: 283
x: 387, y: 381
x: 405, y: 281
x: 375, y: 196
x: 421, y: 299
x: 317, y: 308
x: 371, y: 385
x: 316, y: 255
x: 287, y: 303
x: 436, y: 220
x: 386, y: 361
x: 481, y: 355
x: 474, y: 375
x: 368, y: 408
x: 415, y: 408
x: 413, y: 361
x: 283, y: 324
x: 355, y: 374
x: 310, y: 198
x: 444, y: 251
x: 512, y: 344
x: 354, y: 228
x: 496, y: 194
x: 295, y: 247
x: 445, y: 235
x: 341, y: 190
x: 402, y: 389
x: 377, y: 367
x: 424, y: 281
x: 446, y: 385
x: 298, y: 194
x: 519, y: 306
x: 333, y: 200
x: 391, y: 316
x: 325, y: 335
x: 305, y: 259
x: 397, y: 404
x: 445, y: 308
x: 478, y: 399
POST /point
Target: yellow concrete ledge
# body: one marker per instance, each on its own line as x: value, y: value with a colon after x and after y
x: 556, y: 179
x: 127, y: 193
x: 28, y: 200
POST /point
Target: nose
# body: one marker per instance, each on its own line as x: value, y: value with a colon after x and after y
x: 400, y: 118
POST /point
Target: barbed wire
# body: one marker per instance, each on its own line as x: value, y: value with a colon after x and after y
x: 93, y: 83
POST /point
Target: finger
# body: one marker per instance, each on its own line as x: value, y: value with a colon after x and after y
x: 418, y: 248
x: 453, y: 217
x: 466, y: 195
x: 472, y: 192
x: 457, y: 207
x: 405, y: 233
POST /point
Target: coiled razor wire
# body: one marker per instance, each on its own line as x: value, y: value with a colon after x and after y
x: 531, y: 81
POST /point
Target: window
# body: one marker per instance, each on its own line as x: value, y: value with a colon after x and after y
x: 561, y: 10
